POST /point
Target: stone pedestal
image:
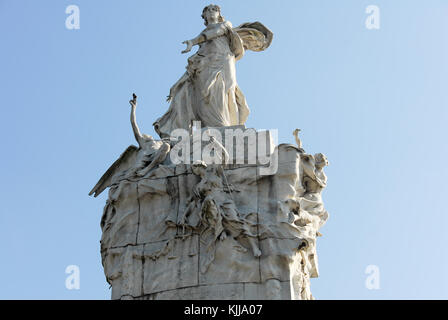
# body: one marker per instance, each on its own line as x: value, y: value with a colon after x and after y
x: 151, y: 250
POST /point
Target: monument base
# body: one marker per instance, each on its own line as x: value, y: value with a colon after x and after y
x: 214, y: 231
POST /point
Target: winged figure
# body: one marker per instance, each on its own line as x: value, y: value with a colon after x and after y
x: 208, y: 90
x: 134, y: 161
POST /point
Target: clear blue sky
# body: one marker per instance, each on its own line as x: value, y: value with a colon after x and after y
x: 374, y: 101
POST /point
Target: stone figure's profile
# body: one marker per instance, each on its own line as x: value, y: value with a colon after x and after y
x: 208, y: 91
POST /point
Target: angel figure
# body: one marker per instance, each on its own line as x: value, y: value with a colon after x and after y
x: 134, y: 161
x: 151, y: 153
x: 208, y: 91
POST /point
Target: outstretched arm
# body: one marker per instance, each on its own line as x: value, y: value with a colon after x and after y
x: 207, y: 35
x: 190, y: 43
x: 137, y: 134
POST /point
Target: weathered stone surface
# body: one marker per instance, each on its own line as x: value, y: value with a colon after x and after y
x: 245, y: 194
x: 157, y: 201
x: 124, y: 271
x: 269, y: 290
x: 278, y: 258
x: 170, y: 265
x: 121, y: 216
x: 233, y: 291
x: 154, y: 244
x: 233, y: 264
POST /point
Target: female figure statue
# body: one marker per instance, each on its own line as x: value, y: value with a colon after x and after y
x: 208, y: 91
x: 312, y: 214
x: 314, y: 181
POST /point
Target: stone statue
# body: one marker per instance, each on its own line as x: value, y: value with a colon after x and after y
x: 212, y: 210
x: 151, y: 153
x: 312, y: 214
x: 134, y: 162
x: 208, y: 91
x: 314, y: 181
x: 220, y: 227
x: 298, y: 141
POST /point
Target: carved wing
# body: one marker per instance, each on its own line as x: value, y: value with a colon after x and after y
x: 255, y: 36
x: 124, y: 162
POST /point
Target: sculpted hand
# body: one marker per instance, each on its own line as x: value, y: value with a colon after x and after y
x: 133, y: 102
x: 189, y: 44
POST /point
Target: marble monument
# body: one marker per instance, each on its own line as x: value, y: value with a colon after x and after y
x: 212, y: 210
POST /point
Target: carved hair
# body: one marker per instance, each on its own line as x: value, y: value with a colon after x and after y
x: 199, y: 163
x: 320, y: 158
x: 220, y: 18
x: 147, y: 136
x: 195, y: 167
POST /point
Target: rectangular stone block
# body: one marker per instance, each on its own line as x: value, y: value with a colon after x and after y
x: 233, y: 263
x: 270, y: 290
x: 245, y: 195
x: 267, y: 200
x: 233, y: 291
x: 157, y: 203
x: 125, y: 216
x: 127, y: 272
x: 278, y: 259
x: 171, y: 264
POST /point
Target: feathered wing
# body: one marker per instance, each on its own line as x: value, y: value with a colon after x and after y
x: 255, y: 36
x: 124, y: 162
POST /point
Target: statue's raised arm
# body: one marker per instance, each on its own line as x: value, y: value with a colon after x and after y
x: 135, y: 128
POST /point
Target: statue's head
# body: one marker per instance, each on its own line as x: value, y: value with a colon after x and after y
x: 147, y: 137
x: 320, y: 160
x: 213, y: 12
x: 199, y: 167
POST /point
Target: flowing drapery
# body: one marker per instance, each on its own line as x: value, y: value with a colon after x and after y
x: 208, y: 91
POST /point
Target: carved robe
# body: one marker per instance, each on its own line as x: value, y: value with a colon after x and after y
x: 208, y: 91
